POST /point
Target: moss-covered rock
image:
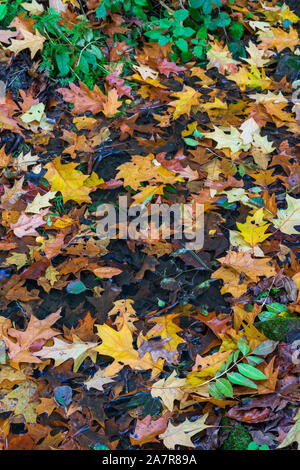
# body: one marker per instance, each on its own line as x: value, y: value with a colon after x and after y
x: 238, y: 439
x: 278, y: 328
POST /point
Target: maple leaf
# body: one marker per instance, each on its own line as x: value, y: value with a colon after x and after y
x: 19, y: 259
x: 288, y: 218
x: 182, y: 433
x: 68, y: 181
x: 126, y: 314
x: 165, y: 67
x: 34, y: 7
x: 248, y: 128
x: 157, y: 349
x: 186, y: 98
x: 169, y: 390
x: 19, y: 342
x: 62, y: 351
x: 94, y: 100
x: 207, y: 366
x: 261, y: 148
x: 34, y: 42
x: 254, y: 78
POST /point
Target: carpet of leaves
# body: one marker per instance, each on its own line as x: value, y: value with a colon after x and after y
x: 119, y: 343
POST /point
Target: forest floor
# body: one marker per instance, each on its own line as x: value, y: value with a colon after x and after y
x: 115, y: 343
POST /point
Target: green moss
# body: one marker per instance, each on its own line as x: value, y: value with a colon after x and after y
x: 277, y: 328
x: 238, y: 439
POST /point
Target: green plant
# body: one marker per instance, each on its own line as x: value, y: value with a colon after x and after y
x: 188, y: 28
x: 132, y: 7
x: 8, y: 10
x: 236, y: 372
x: 253, y: 446
x: 70, y: 53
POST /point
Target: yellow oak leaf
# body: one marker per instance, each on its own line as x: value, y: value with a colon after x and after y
x: 141, y: 169
x: 68, y: 181
x: 166, y: 328
x: 34, y: 42
x: 186, y: 98
x: 253, y: 230
x: 119, y: 345
x: 280, y: 39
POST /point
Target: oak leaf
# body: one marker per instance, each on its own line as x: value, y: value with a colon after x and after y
x: 68, y: 181
x: 34, y: 42
x: 181, y: 434
x: 288, y: 218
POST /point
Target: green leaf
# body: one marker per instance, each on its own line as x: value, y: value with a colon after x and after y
x: 251, y: 372
x: 276, y: 307
x: 142, y: 3
x: 196, y: 3
x: 224, y: 19
x: 253, y: 446
x: 239, y: 379
x: 207, y: 7
x: 236, y: 30
x: 63, y: 62
x: 243, y: 346
x: 198, y: 51
x: 224, y: 387
x: 265, y: 348
x: 254, y: 359
x: 154, y: 34
x: 187, y: 32
x: 182, y: 45
x: 213, y: 391
x: 191, y: 142
x: 101, y: 12
x: 75, y: 287
x: 181, y: 15
x: 163, y: 40
x: 3, y: 10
